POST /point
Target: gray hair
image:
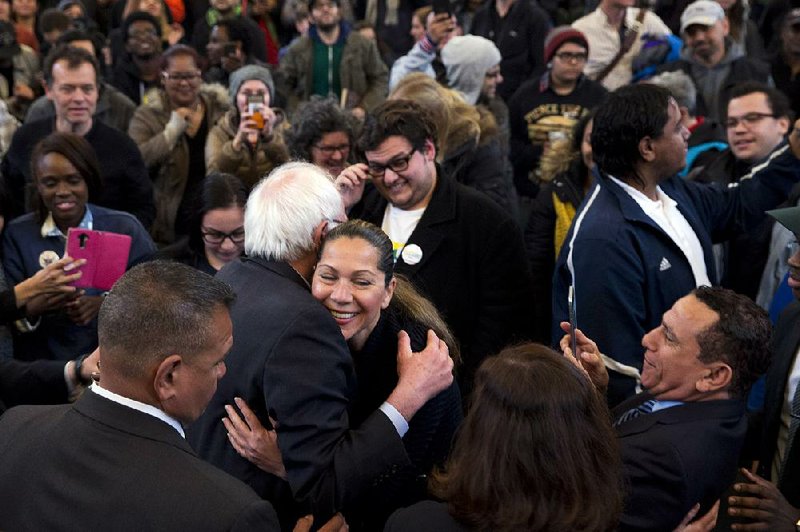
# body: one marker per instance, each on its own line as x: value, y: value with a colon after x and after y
x: 156, y: 309
x: 680, y: 84
x: 285, y: 207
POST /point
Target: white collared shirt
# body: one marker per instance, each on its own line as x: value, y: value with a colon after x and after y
x: 49, y: 227
x: 664, y: 212
x: 141, y: 407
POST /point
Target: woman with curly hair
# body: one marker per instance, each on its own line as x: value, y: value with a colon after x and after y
x: 323, y: 134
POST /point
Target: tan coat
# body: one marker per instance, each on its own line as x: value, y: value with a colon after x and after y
x: 250, y: 163
x: 169, y: 164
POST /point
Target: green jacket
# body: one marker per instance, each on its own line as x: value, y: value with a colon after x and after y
x: 362, y: 72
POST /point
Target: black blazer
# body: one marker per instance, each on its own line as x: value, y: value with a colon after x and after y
x: 473, y: 268
x: 289, y: 359
x: 99, y: 465
x: 785, y: 341
x: 675, y: 458
x: 35, y: 382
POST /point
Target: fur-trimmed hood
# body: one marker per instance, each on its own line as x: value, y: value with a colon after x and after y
x: 212, y: 94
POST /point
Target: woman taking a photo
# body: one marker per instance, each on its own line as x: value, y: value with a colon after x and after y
x: 247, y: 141
x: 66, y: 177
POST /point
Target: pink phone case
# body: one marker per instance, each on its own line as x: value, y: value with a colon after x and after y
x: 106, y: 256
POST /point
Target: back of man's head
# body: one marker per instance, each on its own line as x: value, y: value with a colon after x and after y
x: 740, y: 337
x: 284, y: 209
x: 74, y: 58
x: 157, y: 309
x: 401, y: 118
x: 681, y: 86
x: 625, y: 117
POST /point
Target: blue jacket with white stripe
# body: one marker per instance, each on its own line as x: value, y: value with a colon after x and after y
x: 627, y: 271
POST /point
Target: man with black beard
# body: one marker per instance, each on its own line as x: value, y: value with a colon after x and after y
x: 333, y: 61
x: 139, y: 68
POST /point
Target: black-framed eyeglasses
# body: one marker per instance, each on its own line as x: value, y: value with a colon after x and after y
x: 750, y: 119
x: 330, y: 150
x: 398, y: 164
x: 212, y: 236
x: 142, y: 34
x: 568, y: 57
x: 177, y: 77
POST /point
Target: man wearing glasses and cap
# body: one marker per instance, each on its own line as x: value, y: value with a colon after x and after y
x: 770, y: 500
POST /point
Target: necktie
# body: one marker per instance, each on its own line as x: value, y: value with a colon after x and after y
x: 641, y: 410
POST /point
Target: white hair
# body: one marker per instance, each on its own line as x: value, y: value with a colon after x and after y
x: 285, y: 207
x: 680, y: 85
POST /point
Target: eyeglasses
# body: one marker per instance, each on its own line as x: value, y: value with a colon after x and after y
x: 398, y: 164
x: 330, y: 150
x: 177, y: 77
x: 212, y: 236
x: 568, y: 57
x: 750, y: 119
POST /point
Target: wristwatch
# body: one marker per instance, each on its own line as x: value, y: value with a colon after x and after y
x: 77, y: 368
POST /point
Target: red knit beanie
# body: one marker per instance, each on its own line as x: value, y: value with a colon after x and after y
x: 559, y: 36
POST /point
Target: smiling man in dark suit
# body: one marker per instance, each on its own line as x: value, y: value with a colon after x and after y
x: 456, y: 245
x: 680, y: 439
x: 118, y: 458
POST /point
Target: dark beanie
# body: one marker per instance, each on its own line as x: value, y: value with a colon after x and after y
x: 559, y: 36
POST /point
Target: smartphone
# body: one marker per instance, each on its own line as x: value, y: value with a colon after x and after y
x: 106, y: 256
x: 441, y: 6
x: 255, y: 103
x: 573, y: 322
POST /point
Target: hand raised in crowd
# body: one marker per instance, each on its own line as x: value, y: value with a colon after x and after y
x: 334, y: 524
x: 41, y: 304
x: 249, y: 129
x: 175, y: 33
x: 705, y: 523
x: 83, y: 309
x: 252, y: 440
x: 591, y: 362
x: 761, y: 501
x: 422, y: 375
x: 440, y: 28
x: 350, y: 183
x: 51, y: 280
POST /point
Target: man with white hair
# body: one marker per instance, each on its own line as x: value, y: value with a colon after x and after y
x: 291, y: 365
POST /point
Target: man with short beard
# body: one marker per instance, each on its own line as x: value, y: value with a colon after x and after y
x: 712, y: 59
x: 333, y: 61
x: 140, y: 68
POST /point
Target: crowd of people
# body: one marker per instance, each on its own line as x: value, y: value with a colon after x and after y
x: 486, y: 265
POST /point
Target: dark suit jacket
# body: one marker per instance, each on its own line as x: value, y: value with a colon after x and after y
x: 36, y: 382
x: 473, y: 268
x: 289, y: 359
x: 425, y: 516
x: 786, y: 341
x: 99, y: 465
x: 675, y: 458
